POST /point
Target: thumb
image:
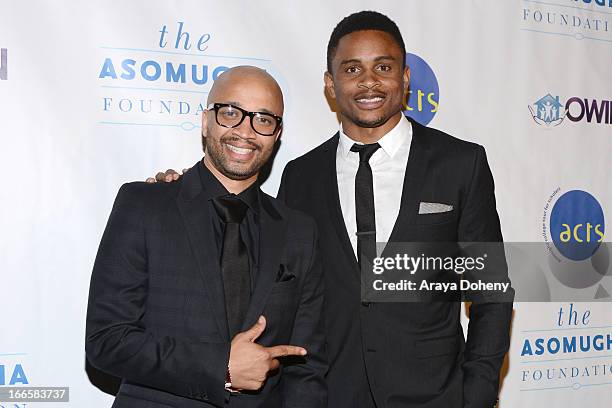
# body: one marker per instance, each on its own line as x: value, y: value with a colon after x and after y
x: 255, y: 331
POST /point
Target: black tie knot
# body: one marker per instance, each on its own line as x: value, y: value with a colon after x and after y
x: 365, y: 151
x: 230, y: 208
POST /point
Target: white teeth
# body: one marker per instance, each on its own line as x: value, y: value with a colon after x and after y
x: 239, y: 150
x: 366, y: 100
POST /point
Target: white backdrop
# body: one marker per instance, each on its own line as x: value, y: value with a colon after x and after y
x: 87, y: 103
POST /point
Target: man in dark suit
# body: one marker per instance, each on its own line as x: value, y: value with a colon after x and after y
x: 384, y: 177
x: 200, y: 286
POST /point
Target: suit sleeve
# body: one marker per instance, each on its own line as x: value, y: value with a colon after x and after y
x: 284, y: 186
x: 303, y: 383
x: 488, y: 337
x: 117, y: 341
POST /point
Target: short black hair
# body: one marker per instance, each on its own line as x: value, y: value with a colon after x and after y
x: 363, y: 20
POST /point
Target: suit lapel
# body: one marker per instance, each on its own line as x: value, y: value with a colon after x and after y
x: 194, y: 210
x: 416, y: 169
x: 272, y: 231
x: 330, y: 178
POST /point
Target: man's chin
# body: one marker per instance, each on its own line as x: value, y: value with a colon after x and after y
x: 239, y: 173
x: 371, y: 123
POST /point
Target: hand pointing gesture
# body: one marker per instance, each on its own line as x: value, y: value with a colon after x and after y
x: 250, y: 363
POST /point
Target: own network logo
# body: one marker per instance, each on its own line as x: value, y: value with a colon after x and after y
x: 422, y: 101
x: 550, y: 111
x: 577, y: 225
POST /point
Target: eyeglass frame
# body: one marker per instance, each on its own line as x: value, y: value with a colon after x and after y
x: 215, y: 106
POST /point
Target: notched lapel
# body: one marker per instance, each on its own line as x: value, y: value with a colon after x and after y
x: 416, y: 170
x: 272, y: 230
x: 194, y: 211
x: 330, y: 179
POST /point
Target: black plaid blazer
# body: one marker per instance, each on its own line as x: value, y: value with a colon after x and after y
x: 156, y: 312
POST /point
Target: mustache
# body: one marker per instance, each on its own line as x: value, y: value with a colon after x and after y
x: 226, y: 139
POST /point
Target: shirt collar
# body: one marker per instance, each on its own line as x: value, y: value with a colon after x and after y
x: 212, y: 188
x: 251, y: 196
x: 389, y: 143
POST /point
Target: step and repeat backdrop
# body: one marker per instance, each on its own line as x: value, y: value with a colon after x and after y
x: 95, y: 94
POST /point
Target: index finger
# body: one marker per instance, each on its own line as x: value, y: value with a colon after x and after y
x: 286, y: 350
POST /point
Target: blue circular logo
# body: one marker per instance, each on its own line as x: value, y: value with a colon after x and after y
x: 577, y: 225
x: 421, y: 103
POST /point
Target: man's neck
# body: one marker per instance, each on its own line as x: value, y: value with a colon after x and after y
x: 370, y: 135
x: 231, y: 185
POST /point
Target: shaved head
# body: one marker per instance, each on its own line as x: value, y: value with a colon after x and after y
x: 242, y: 76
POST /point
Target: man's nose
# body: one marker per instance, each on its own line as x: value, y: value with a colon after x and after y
x: 245, y: 130
x: 369, y: 80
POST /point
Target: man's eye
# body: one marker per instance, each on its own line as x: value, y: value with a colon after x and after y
x: 352, y: 70
x: 229, y: 114
x: 384, y: 68
x: 263, y: 120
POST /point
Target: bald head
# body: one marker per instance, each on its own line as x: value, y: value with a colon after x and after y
x: 247, y: 85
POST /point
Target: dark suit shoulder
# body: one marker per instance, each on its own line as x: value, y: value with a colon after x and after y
x: 441, y: 141
x: 147, y: 195
x: 313, y: 157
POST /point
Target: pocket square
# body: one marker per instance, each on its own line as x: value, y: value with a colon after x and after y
x: 434, y: 208
x: 284, y: 275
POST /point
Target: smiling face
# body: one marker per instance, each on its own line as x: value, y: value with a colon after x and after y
x: 368, y: 81
x: 239, y: 153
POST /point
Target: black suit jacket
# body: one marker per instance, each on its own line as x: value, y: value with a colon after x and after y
x: 407, y: 354
x: 156, y: 314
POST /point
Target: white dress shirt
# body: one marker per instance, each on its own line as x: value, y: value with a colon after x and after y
x: 388, y: 169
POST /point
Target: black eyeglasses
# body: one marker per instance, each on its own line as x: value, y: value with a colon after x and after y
x: 230, y: 116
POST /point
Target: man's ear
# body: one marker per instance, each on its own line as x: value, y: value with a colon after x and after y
x: 204, y: 127
x: 406, y: 78
x: 329, y: 84
x: 204, y: 120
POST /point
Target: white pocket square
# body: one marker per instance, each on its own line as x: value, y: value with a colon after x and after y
x: 434, y: 208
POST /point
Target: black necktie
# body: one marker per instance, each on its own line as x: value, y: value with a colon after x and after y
x: 234, y: 261
x: 364, y: 205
